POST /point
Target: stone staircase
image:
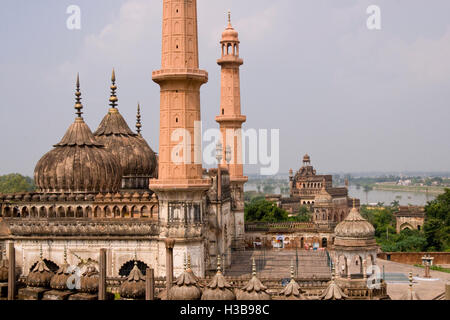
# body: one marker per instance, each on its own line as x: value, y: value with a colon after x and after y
x: 277, y: 263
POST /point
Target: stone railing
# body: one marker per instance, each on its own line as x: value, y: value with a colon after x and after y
x: 288, y: 226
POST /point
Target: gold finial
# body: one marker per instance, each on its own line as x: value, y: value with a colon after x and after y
x: 113, y: 99
x: 78, y: 105
x: 410, y: 280
x: 254, y: 267
x: 229, y: 17
x: 219, y: 269
x: 65, y: 254
x: 333, y: 272
x: 138, y: 120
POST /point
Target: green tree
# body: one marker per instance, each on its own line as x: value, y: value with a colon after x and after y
x: 437, y: 223
x: 303, y: 215
x: 12, y: 183
x: 264, y: 211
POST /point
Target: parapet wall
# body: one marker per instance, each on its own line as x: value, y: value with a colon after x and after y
x: 415, y: 257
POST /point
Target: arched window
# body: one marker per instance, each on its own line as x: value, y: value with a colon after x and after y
x: 324, y: 242
x: 25, y: 212
x: 125, y: 212
x: 134, y: 212
x: 108, y: 213
x: 80, y: 212
x: 116, y: 211
x: 52, y: 212
x: 145, y: 213
x: 128, y: 266
x: 70, y: 212
x: 42, y: 212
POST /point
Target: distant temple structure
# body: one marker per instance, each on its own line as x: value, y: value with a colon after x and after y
x: 307, y: 188
x: 410, y: 217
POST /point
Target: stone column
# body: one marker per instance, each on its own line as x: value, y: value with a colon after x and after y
x: 102, y: 276
x: 170, y: 243
x: 347, y: 269
x: 364, y: 265
x: 12, y: 272
x: 150, y: 284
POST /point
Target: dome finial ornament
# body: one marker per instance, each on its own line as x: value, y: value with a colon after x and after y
x: 138, y: 120
x: 113, y: 99
x: 229, y: 17
x: 219, y: 268
x: 292, y: 269
x: 65, y: 254
x: 253, y: 267
x: 78, y: 105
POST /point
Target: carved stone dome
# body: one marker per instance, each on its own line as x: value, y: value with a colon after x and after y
x: 354, y: 231
x: 40, y: 276
x: 323, y: 197
x: 186, y: 287
x: 137, y: 160
x: 134, y: 286
x: 218, y: 289
x: 230, y: 34
x: 79, y: 163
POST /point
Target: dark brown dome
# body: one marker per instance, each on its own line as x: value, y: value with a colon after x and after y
x: 59, y: 280
x: 134, y: 286
x: 40, y: 276
x: 79, y: 163
x: 186, y: 287
x: 254, y: 290
x: 137, y: 159
x: 89, y: 280
x: 218, y: 289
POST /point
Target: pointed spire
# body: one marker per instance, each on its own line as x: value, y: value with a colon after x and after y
x: 65, y: 254
x: 292, y: 269
x: 189, y: 262
x: 78, y: 105
x: 138, y: 120
x: 229, y: 17
x: 41, y: 254
x: 185, y: 262
x: 113, y: 99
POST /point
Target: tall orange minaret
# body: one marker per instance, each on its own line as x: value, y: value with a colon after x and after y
x: 180, y: 186
x: 230, y: 120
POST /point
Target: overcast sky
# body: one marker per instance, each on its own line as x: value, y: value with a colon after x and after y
x: 354, y: 99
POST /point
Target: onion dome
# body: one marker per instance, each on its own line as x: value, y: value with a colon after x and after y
x: 306, y: 158
x: 293, y: 291
x: 410, y: 294
x: 254, y: 290
x: 79, y: 163
x: 230, y: 34
x: 137, y: 159
x: 59, y: 280
x: 355, y: 231
x: 333, y: 291
x: 41, y: 275
x: 218, y: 289
x: 186, y: 287
x: 134, y: 286
x: 89, y: 280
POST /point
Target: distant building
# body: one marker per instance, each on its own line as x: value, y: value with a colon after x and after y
x: 328, y: 203
x: 410, y: 217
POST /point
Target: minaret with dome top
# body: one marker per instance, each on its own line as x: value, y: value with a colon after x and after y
x: 230, y: 120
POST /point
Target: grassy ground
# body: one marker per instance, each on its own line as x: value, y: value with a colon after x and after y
x: 435, y: 268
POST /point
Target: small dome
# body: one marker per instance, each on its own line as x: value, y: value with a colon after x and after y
x: 186, y: 287
x: 137, y: 160
x: 59, y: 280
x: 254, y: 290
x: 333, y: 291
x: 134, y: 286
x: 89, y: 280
x: 40, y: 276
x: 230, y: 34
x: 306, y: 158
x: 218, y: 289
x: 293, y: 291
x: 79, y: 163
x: 354, y: 226
x: 323, y: 197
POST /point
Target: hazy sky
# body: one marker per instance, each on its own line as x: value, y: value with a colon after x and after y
x: 354, y: 99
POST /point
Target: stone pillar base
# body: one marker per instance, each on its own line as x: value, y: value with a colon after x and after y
x: 57, y: 295
x: 31, y: 293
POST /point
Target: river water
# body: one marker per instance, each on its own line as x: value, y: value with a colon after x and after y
x: 375, y: 196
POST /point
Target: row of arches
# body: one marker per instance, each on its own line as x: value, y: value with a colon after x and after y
x: 329, y: 215
x: 132, y: 212
x: 312, y: 185
x: 230, y: 48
